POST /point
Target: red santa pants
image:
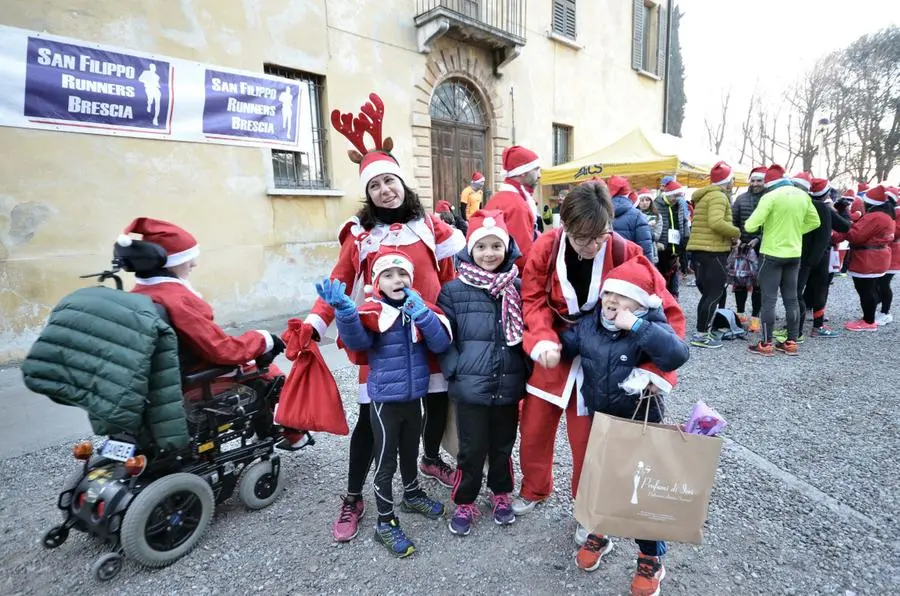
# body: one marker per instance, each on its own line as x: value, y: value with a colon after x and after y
x: 537, y: 427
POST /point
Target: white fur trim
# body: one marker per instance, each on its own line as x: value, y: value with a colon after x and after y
x: 124, y: 240
x: 525, y: 167
x: 378, y: 167
x: 318, y: 324
x: 633, y: 291
x: 544, y: 345
x: 180, y: 258
x: 649, y: 195
x: 726, y: 180
x: 757, y: 176
x: 671, y: 193
x: 270, y: 343
x: 450, y: 246
x: 804, y: 183
x: 664, y: 385
x: 638, y: 380
x: 154, y: 281
x: 891, y: 194
x: 822, y: 192
x: 866, y: 199
x: 484, y: 232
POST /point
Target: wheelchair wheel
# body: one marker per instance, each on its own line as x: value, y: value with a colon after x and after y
x: 107, y: 566
x: 257, y: 487
x: 167, y: 519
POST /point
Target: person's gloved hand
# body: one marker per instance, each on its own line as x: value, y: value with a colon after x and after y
x: 266, y: 358
x: 414, y: 305
x: 334, y: 293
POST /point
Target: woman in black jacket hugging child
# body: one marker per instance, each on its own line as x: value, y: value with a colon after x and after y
x: 396, y: 330
x: 485, y: 366
x: 628, y: 330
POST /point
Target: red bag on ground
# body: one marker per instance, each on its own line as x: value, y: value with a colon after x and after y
x: 310, y: 399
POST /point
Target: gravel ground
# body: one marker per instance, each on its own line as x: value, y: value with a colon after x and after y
x: 805, y: 502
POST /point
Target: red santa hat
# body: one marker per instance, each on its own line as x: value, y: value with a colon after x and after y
x: 875, y: 196
x: 443, y: 206
x: 180, y: 245
x: 673, y: 188
x: 861, y: 188
x: 518, y: 160
x: 721, y: 173
x: 758, y: 174
x: 645, y: 192
x: 477, y: 177
x: 634, y: 279
x: 618, y: 185
x: 774, y: 174
x: 484, y: 223
x: 372, y: 162
x: 892, y: 192
x: 386, y: 258
x: 819, y: 187
x: 804, y: 179
x: 848, y: 194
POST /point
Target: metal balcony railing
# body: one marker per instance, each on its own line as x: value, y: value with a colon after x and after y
x: 505, y: 18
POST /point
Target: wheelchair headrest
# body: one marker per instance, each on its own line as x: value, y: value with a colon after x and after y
x: 140, y: 256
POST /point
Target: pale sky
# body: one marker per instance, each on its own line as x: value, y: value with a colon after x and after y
x: 767, y: 43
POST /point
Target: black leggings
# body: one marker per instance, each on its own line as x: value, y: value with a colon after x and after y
x: 740, y: 298
x: 485, y: 433
x: 885, y: 294
x: 396, y: 427
x: 867, y: 288
x: 362, y: 440
x: 712, y: 276
x: 812, y: 290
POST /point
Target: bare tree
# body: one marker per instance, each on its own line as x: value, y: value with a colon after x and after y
x: 715, y: 131
x: 747, y: 128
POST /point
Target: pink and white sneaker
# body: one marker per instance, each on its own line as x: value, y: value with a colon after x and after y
x: 346, y: 526
x: 860, y: 325
x: 438, y: 469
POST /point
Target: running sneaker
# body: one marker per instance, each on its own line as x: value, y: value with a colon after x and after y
x: 788, y: 347
x: 595, y: 547
x: 346, y: 526
x: 860, y: 325
x: 763, y: 349
x: 781, y: 336
x: 523, y: 506
x: 463, y: 519
x: 391, y: 535
x: 824, y: 331
x: 437, y: 469
x: 423, y: 505
x: 705, y: 340
x: 502, y: 509
x: 647, y: 577
x: 883, y: 319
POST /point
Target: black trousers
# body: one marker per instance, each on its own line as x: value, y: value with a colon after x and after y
x: 396, y: 428
x: 867, y: 288
x: 436, y: 405
x: 740, y: 298
x: 812, y: 290
x: 712, y: 276
x: 484, y: 432
x: 779, y: 274
x: 885, y: 294
x: 668, y: 267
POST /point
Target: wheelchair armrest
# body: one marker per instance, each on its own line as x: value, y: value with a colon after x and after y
x: 205, y: 376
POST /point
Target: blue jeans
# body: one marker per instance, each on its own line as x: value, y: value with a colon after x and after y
x: 652, y: 548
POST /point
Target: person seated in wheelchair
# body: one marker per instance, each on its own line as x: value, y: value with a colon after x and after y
x: 203, y: 344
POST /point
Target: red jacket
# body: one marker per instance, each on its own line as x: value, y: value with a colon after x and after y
x: 544, y: 313
x: 870, y: 239
x: 520, y: 212
x: 895, y: 245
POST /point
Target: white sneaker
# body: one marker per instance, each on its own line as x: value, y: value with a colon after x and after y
x: 521, y: 506
x: 581, y: 534
x: 883, y: 319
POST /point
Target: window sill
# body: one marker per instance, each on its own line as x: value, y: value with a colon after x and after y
x: 648, y: 74
x: 566, y: 41
x: 304, y: 192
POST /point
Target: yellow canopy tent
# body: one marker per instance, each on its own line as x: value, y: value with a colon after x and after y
x: 644, y: 158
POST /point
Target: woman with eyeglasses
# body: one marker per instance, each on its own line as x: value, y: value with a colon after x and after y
x: 560, y: 284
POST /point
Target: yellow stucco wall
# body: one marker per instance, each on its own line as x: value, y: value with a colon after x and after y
x: 65, y: 197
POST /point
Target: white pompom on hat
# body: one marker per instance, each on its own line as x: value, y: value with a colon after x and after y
x: 484, y: 223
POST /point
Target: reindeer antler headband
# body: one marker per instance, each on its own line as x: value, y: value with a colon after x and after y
x: 369, y: 120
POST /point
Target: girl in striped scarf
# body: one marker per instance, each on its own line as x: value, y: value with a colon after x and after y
x: 485, y: 365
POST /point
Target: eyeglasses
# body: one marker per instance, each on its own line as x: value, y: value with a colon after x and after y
x: 584, y: 242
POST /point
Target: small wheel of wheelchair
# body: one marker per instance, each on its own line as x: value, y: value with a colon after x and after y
x: 167, y: 519
x: 107, y: 566
x: 258, y: 487
x: 55, y: 537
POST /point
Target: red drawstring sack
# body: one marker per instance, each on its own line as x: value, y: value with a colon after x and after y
x: 310, y: 399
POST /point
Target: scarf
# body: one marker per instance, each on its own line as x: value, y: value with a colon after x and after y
x: 498, y: 284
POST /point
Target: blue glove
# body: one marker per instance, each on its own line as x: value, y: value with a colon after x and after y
x: 414, y: 305
x: 334, y: 293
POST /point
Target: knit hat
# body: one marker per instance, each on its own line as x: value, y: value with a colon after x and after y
x: 721, y: 173
x: 388, y: 257
x: 618, y: 185
x: 443, y: 206
x: 804, y: 179
x: 518, y: 160
x: 758, y: 173
x: 372, y: 162
x: 180, y: 245
x: 477, y: 177
x: 875, y: 196
x: 774, y: 174
x: 666, y: 179
x: 819, y: 187
x: 634, y: 279
x: 484, y: 223
x: 673, y: 188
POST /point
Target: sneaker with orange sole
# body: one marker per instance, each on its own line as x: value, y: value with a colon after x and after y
x: 861, y: 325
x: 588, y: 556
x: 650, y: 572
x: 788, y: 347
x: 762, y: 349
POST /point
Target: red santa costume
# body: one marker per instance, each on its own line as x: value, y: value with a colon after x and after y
x: 550, y: 304
x: 428, y: 242
x: 515, y: 199
x: 894, y: 193
x: 189, y: 314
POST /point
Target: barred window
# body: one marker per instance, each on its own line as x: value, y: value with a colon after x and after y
x: 562, y: 144
x: 306, y: 168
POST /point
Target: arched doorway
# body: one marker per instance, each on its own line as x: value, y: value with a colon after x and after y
x: 458, y: 138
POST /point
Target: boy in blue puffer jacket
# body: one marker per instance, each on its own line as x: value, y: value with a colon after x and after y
x: 396, y: 329
x: 616, y: 344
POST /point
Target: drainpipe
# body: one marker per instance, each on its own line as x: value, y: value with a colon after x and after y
x: 512, y: 104
x: 665, y: 118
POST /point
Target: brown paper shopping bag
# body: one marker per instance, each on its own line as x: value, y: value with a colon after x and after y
x: 647, y: 481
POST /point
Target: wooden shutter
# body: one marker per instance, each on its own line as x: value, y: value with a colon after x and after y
x: 564, y: 18
x: 637, y: 37
x: 662, y: 50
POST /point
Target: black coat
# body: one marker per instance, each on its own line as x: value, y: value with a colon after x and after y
x: 480, y: 367
x: 816, y: 243
x: 740, y: 212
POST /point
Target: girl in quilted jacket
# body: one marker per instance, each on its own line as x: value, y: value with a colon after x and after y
x: 396, y: 330
x: 628, y: 330
x: 486, y: 366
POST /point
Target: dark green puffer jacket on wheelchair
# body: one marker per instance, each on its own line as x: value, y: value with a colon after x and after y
x: 111, y: 354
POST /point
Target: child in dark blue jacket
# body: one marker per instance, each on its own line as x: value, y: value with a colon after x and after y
x: 629, y: 353
x: 396, y: 330
x: 485, y: 365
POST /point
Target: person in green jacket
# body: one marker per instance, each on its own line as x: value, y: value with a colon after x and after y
x: 785, y: 213
x: 712, y: 235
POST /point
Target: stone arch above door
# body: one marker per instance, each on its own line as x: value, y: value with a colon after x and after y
x: 473, y: 66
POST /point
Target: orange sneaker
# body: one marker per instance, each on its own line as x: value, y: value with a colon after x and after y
x: 754, y: 325
x: 650, y: 572
x: 762, y: 349
x: 788, y: 347
x: 588, y: 556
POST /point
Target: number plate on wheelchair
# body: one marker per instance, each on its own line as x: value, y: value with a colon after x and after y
x: 117, y: 450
